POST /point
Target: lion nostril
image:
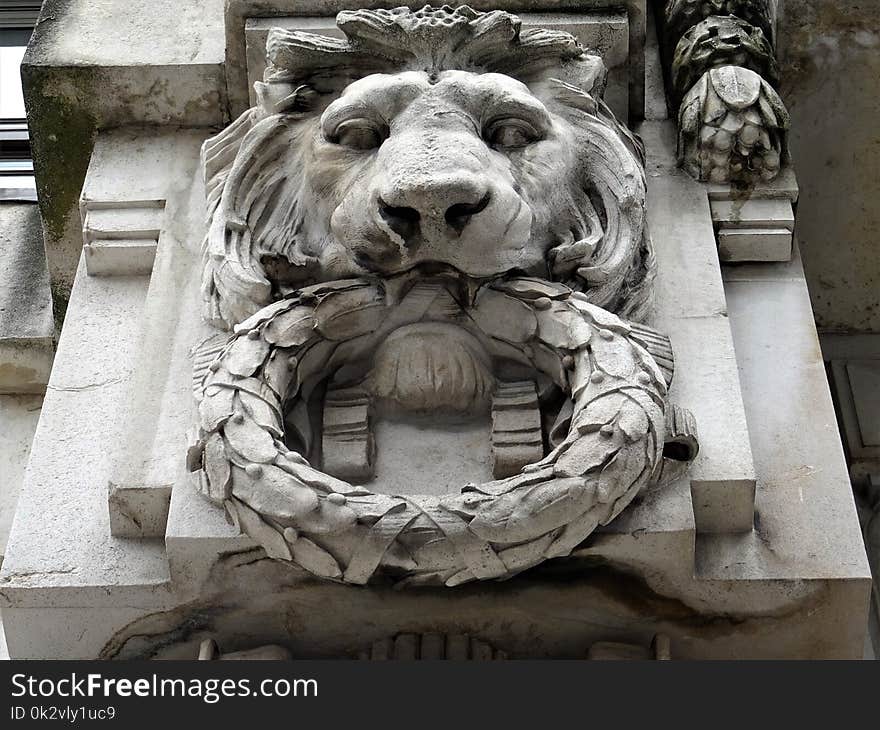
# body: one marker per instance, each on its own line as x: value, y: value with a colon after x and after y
x: 400, y: 219
x: 459, y: 214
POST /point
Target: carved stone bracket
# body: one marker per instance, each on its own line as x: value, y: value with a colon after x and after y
x: 722, y: 68
x: 721, y: 41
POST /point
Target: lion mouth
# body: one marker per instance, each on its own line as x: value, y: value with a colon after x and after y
x: 462, y: 287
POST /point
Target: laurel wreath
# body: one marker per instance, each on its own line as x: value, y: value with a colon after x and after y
x: 343, y: 532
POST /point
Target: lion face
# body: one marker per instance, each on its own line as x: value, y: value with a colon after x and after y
x: 467, y: 171
x: 453, y: 169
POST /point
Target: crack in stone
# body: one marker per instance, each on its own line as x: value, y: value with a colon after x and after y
x: 33, y: 573
x: 89, y: 386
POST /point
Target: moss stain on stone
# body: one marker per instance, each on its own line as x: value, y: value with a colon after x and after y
x: 63, y: 134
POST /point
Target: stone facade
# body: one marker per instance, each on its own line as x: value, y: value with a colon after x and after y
x: 469, y: 260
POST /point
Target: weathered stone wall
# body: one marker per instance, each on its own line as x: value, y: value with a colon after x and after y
x: 829, y: 53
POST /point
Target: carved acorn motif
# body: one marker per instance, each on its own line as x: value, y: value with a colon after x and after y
x: 732, y: 128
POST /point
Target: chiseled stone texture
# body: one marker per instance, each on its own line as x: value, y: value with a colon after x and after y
x: 829, y: 54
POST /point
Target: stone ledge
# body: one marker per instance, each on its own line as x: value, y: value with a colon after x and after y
x: 90, y: 67
x: 27, y: 328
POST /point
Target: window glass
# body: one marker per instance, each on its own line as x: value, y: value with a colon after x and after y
x: 11, y: 101
x: 16, y: 170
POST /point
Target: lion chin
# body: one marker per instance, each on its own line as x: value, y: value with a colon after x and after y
x: 432, y: 368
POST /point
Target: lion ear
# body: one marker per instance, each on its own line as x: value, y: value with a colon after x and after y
x: 284, y: 98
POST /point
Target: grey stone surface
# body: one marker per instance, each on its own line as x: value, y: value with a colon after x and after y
x: 829, y: 55
x: 755, y: 244
x: 143, y: 182
x: 794, y: 434
x: 26, y: 325
x: 98, y: 64
x: 18, y: 416
x: 690, y: 304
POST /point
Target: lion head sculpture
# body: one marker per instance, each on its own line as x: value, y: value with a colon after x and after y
x: 441, y: 138
x: 438, y: 218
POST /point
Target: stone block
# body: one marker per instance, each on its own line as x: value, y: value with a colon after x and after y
x: 63, y: 560
x: 120, y: 257
x: 723, y: 506
x: 783, y: 187
x: 754, y: 244
x: 690, y: 305
x: 754, y: 229
x: 91, y: 66
x: 139, y: 511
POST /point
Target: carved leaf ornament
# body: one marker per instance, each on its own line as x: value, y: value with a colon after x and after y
x: 613, y: 448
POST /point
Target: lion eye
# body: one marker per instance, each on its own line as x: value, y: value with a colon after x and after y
x: 510, y: 133
x: 359, y: 134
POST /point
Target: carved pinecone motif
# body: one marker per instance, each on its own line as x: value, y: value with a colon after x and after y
x: 684, y: 14
x: 721, y: 41
x: 732, y: 127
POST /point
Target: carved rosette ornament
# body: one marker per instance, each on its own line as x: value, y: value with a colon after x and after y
x: 732, y: 123
x: 436, y: 214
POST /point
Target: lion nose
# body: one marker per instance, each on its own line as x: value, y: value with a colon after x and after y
x: 452, y: 202
x: 401, y: 219
x: 458, y: 214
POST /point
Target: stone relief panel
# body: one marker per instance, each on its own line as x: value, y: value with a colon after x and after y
x: 429, y: 242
